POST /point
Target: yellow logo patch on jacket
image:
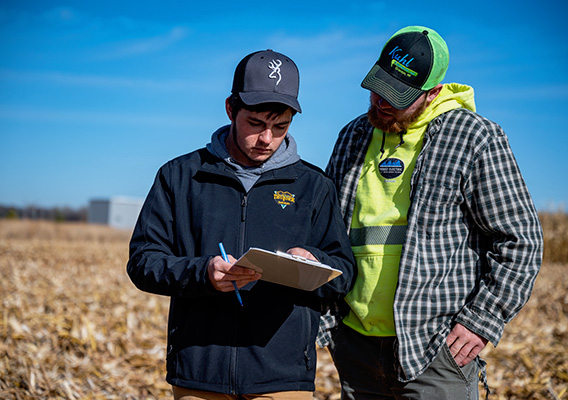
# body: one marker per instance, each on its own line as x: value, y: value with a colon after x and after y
x: 284, y: 198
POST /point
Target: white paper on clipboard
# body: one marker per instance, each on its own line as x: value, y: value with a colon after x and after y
x: 288, y: 270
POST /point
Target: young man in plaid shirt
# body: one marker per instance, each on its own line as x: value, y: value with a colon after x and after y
x: 445, y: 234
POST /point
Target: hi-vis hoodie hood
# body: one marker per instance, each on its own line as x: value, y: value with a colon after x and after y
x: 452, y: 96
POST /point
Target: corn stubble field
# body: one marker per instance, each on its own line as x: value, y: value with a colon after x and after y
x: 73, y: 326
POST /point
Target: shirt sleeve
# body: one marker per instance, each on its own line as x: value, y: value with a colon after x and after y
x: 503, y: 210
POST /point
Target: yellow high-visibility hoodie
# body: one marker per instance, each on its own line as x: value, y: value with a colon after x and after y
x: 379, y: 219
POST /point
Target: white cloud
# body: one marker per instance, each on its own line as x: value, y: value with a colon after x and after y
x: 329, y: 43
x: 64, y: 15
x: 528, y: 92
x: 99, y: 81
x: 94, y: 118
x: 154, y: 44
x: 335, y: 56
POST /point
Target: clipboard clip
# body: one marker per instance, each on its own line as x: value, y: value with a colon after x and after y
x: 297, y: 257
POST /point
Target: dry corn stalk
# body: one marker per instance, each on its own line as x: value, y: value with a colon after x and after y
x: 72, y: 325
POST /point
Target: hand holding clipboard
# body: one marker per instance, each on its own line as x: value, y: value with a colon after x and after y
x: 287, y: 269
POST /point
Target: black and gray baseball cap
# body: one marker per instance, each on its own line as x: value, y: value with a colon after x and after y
x: 267, y: 77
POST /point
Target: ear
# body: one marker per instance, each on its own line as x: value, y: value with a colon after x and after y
x: 229, y: 109
x: 432, y: 93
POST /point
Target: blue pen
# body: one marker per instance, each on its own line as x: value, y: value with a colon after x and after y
x: 224, y: 254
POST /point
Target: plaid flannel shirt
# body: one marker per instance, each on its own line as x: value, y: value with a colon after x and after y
x: 473, y: 246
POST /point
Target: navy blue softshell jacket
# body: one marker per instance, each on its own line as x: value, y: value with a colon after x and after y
x: 214, y: 344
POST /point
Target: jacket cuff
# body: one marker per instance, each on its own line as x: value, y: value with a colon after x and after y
x: 198, y: 283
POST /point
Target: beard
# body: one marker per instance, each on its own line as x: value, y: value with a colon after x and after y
x: 394, y: 125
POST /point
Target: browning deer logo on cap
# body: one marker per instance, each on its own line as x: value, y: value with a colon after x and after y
x: 274, y: 65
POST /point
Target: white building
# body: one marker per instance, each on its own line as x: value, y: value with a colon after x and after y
x: 118, y: 212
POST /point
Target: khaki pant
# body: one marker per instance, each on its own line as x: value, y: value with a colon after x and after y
x: 189, y: 394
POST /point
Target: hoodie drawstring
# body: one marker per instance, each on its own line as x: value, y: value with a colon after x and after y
x: 383, y: 146
x: 401, y: 139
x: 401, y: 133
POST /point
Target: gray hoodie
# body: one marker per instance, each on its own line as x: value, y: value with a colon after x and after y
x: 286, y: 154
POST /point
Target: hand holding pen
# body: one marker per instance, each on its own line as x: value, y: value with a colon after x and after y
x: 224, y: 255
x: 222, y: 273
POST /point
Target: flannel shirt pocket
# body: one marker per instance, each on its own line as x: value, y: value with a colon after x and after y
x: 439, y: 206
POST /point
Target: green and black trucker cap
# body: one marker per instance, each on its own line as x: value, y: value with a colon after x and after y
x: 414, y: 60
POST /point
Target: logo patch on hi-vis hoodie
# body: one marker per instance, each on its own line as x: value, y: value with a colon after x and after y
x: 391, y: 168
x: 284, y: 198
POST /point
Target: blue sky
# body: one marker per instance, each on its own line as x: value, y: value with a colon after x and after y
x: 96, y: 95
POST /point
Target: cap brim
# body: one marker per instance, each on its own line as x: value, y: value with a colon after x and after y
x: 398, y: 94
x: 254, y: 98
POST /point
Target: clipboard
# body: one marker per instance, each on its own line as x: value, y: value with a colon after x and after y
x: 287, y: 269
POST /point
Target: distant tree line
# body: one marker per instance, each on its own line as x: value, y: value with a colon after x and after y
x: 60, y: 214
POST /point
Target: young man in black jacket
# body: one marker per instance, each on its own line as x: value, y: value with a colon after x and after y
x: 247, y: 188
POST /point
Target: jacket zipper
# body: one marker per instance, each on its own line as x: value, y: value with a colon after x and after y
x: 241, y: 241
x: 240, y: 244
